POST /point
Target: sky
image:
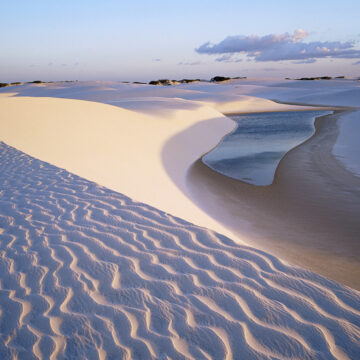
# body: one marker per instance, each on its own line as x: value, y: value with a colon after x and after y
x: 142, y: 40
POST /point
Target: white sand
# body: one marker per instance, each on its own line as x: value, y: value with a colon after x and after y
x: 144, y: 154
x: 88, y: 273
x: 85, y: 272
x: 118, y: 148
x: 347, y: 147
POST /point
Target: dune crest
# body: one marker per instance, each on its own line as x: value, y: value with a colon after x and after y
x: 86, y: 272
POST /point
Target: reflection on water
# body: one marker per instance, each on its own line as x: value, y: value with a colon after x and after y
x: 253, y: 151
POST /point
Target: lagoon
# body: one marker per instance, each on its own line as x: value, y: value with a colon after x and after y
x: 252, y: 152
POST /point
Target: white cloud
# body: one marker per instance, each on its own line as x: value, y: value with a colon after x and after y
x: 299, y: 34
x: 278, y: 47
x: 228, y: 58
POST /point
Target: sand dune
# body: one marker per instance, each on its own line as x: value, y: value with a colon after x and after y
x: 88, y: 273
x: 130, y: 143
x: 143, y: 98
x: 118, y: 148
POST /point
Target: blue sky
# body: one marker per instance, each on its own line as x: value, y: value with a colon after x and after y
x: 144, y: 40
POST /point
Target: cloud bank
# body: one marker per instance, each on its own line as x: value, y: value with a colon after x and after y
x: 281, y: 47
x: 228, y: 58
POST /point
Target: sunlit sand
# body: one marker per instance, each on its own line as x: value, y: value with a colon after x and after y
x: 118, y: 242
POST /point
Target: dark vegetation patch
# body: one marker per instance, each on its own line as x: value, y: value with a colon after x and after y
x: 316, y: 78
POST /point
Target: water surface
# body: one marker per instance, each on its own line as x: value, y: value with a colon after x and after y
x: 252, y: 152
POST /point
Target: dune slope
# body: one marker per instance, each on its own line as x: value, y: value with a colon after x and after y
x: 86, y: 272
x: 136, y: 152
x: 118, y: 148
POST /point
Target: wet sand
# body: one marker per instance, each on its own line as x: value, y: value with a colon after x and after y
x: 309, y: 216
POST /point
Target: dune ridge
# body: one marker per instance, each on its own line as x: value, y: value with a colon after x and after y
x: 131, y: 146
x: 85, y: 272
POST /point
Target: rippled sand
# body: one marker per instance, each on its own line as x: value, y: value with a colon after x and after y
x: 85, y: 272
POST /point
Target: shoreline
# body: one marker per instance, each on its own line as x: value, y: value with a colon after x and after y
x: 305, y: 107
x: 237, y: 126
x: 311, y: 205
x: 321, y: 107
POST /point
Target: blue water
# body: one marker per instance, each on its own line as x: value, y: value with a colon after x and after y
x: 253, y: 151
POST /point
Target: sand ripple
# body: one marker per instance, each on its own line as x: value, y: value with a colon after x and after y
x: 85, y: 272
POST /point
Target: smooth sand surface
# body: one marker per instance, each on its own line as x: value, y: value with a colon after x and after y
x: 150, y: 99
x: 347, y: 147
x: 87, y: 273
x: 309, y: 215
